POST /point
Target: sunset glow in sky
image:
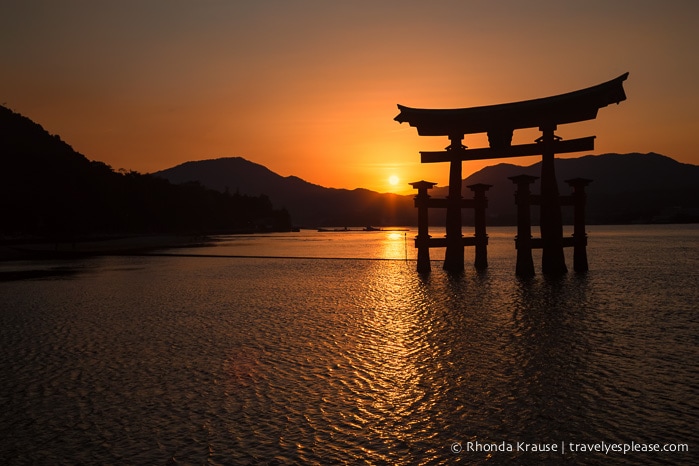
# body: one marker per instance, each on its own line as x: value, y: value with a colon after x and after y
x: 310, y: 87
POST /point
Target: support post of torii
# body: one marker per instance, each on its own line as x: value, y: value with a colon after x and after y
x: 579, y: 234
x: 423, y: 236
x: 481, y: 236
x: 523, y: 240
x: 551, y: 223
x: 454, y: 255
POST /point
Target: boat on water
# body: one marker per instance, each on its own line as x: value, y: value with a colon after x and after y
x: 323, y: 230
x: 367, y: 228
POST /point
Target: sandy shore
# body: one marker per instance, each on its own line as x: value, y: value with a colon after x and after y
x: 13, y: 250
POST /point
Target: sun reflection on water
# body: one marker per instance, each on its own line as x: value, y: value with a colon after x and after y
x: 396, y: 356
x: 395, y: 245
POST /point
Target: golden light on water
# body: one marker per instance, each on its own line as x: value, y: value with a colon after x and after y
x: 394, y: 353
x: 395, y: 245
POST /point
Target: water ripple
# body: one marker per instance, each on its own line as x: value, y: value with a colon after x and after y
x: 191, y: 361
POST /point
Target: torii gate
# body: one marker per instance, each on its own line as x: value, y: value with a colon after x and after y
x: 499, y: 122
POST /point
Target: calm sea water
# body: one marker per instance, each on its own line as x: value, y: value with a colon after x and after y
x: 318, y: 353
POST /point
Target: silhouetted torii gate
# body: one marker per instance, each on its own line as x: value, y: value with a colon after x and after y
x: 499, y: 122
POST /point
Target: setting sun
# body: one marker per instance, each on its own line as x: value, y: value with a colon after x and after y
x: 393, y: 180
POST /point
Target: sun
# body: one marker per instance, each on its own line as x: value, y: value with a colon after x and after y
x: 393, y: 180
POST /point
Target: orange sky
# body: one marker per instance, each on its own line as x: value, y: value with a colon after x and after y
x: 309, y: 88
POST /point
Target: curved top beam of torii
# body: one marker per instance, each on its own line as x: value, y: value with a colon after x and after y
x: 574, y: 106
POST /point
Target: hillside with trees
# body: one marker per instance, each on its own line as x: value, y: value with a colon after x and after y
x: 49, y: 190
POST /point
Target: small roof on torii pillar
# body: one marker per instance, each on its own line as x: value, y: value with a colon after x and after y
x: 574, y: 106
x: 422, y: 184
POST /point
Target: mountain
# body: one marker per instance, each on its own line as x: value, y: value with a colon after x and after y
x: 47, y: 189
x: 626, y: 188
x: 308, y: 204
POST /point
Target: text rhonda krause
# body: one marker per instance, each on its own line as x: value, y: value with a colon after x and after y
x: 563, y: 447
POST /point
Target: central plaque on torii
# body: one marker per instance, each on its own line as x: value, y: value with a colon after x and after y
x: 500, y: 122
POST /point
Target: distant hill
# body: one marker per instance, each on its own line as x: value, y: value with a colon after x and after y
x: 309, y: 205
x: 47, y: 189
x: 626, y: 188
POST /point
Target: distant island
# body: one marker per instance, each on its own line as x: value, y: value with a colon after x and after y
x: 48, y: 190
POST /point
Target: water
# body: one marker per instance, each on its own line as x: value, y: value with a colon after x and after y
x: 345, y: 360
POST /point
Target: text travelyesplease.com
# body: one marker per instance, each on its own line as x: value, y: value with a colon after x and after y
x: 565, y: 447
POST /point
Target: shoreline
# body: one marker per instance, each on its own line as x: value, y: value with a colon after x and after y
x: 107, y: 246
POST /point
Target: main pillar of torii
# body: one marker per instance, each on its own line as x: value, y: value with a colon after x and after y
x: 499, y: 122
